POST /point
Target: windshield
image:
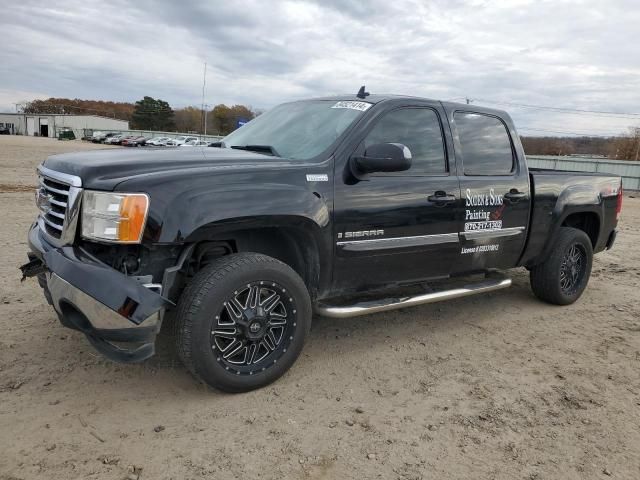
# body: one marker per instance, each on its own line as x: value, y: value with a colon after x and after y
x: 299, y: 130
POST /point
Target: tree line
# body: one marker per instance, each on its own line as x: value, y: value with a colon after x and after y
x: 624, y: 147
x: 150, y: 113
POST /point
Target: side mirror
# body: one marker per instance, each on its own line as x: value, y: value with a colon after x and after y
x: 383, y: 157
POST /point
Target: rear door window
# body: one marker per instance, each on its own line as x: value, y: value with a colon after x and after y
x: 484, y: 143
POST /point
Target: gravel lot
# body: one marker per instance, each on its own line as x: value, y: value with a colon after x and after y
x: 495, y: 386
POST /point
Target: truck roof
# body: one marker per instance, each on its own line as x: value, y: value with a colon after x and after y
x: 381, y: 97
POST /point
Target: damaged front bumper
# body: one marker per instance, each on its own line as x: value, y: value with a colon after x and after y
x: 119, y: 315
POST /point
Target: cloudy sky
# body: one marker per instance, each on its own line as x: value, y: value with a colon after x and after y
x: 571, y: 54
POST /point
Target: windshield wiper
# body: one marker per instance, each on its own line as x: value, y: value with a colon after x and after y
x: 258, y: 148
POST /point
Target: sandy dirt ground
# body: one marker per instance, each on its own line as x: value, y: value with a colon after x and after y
x: 496, y: 386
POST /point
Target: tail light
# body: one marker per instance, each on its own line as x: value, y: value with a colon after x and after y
x: 619, y: 203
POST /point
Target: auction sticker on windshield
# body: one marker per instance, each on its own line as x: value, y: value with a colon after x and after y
x: 353, y: 105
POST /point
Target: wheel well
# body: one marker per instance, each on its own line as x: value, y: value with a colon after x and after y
x: 291, y: 245
x: 588, y: 222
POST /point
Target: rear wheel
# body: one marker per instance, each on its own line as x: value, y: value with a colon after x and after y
x: 564, y: 275
x: 242, y: 322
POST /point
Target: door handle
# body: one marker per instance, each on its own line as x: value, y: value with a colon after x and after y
x: 514, y: 196
x: 441, y: 198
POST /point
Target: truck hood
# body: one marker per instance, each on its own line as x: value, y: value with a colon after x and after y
x: 105, y: 169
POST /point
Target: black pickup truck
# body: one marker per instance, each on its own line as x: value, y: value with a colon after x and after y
x: 341, y: 206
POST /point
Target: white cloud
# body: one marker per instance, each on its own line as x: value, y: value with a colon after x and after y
x: 576, y: 54
x: 10, y: 97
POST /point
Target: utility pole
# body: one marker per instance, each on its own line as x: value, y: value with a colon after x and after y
x: 206, y: 107
x: 204, y: 84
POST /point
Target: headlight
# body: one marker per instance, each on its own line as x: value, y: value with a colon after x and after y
x: 114, y: 217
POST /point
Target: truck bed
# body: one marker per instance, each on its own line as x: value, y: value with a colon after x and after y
x: 556, y: 195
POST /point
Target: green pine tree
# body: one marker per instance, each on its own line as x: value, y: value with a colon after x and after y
x: 152, y: 114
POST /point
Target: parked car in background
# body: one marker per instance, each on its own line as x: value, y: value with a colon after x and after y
x: 114, y: 140
x: 158, y: 141
x: 140, y: 141
x: 174, y: 142
x: 195, y: 143
x: 100, y: 137
x: 136, y: 141
x: 124, y: 139
x: 96, y: 136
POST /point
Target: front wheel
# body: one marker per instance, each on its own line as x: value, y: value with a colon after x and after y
x: 242, y: 322
x: 564, y: 275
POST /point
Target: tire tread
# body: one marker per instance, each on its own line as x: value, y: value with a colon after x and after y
x: 543, y: 276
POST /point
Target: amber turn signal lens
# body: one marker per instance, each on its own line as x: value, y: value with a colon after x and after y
x: 133, y: 213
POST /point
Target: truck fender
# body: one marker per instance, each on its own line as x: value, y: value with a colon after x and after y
x: 191, y: 213
x: 578, y: 198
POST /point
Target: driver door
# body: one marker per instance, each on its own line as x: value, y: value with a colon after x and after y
x: 399, y: 227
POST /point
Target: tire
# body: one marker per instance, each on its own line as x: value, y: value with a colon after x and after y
x: 554, y: 281
x: 248, y: 298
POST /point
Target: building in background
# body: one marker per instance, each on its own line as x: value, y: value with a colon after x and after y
x: 49, y: 124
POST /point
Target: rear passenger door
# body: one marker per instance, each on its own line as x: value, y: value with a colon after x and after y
x: 495, y: 192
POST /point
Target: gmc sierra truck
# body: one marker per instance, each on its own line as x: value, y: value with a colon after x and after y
x: 341, y: 206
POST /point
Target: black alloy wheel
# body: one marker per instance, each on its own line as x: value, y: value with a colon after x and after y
x: 242, y: 321
x: 254, y: 327
x: 572, y: 269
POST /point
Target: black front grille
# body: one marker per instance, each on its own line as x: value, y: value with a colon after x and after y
x: 55, y: 213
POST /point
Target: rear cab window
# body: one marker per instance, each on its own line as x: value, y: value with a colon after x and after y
x: 484, y: 144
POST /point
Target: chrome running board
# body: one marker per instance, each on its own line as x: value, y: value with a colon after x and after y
x: 383, y: 305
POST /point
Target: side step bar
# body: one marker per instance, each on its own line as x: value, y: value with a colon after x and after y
x: 383, y: 305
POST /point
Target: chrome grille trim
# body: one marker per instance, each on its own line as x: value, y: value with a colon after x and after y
x: 51, y: 224
x: 52, y: 189
x: 59, y: 223
x: 60, y: 204
x: 65, y: 178
x: 56, y: 214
